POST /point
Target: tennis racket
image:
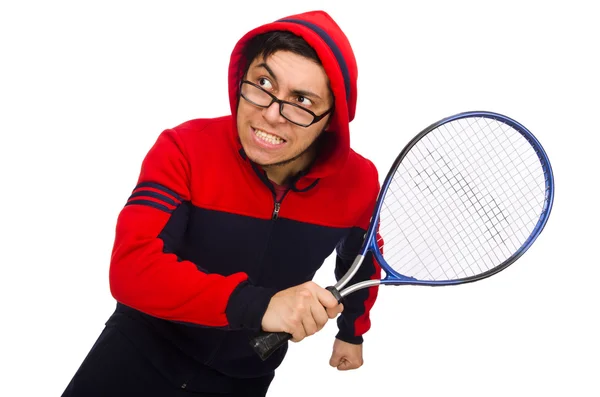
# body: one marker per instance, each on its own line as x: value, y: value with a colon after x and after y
x: 462, y: 201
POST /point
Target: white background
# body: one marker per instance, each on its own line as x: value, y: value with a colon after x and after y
x: 86, y: 87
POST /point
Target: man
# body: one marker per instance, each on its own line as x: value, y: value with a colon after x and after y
x: 229, y: 222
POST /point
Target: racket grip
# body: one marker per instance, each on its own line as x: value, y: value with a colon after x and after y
x: 268, y: 342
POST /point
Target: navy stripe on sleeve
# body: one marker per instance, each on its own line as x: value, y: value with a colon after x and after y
x: 152, y: 204
x: 158, y: 187
x: 155, y: 195
x: 164, y: 201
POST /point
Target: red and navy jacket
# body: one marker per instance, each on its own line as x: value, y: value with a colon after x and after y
x: 202, y: 244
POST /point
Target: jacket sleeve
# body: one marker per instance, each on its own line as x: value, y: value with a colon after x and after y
x: 355, y: 320
x: 147, y: 276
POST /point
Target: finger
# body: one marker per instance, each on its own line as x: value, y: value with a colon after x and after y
x: 310, y: 326
x: 296, y: 329
x: 335, y: 360
x: 309, y: 323
x: 333, y: 313
x: 301, y: 311
x: 296, y: 321
x: 320, y: 315
x: 326, y: 298
x: 298, y: 334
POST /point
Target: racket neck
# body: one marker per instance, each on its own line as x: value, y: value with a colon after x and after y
x: 350, y: 273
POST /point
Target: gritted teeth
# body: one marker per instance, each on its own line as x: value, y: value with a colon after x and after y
x: 272, y: 139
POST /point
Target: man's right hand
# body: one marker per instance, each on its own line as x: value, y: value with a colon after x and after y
x: 300, y: 311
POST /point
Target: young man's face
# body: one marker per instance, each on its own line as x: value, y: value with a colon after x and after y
x: 267, y: 137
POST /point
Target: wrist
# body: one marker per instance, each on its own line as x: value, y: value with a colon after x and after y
x: 247, y: 305
x: 349, y: 338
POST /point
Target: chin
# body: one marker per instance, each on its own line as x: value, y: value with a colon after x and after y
x: 262, y: 157
x: 264, y: 161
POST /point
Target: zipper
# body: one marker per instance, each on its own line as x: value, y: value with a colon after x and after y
x: 277, y: 205
x: 265, y: 180
x: 276, y: 210
x: 274, y: 217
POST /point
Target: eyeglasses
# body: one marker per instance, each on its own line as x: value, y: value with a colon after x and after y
x: 292, y: 112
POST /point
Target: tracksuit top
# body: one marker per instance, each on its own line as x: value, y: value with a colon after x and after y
x: 202, y: 243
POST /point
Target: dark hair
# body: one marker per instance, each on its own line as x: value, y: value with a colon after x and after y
x: 266, y: 44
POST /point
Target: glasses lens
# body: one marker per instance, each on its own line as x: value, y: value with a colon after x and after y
x: 256, y: 95
x: 297, y: 114
x: 260, y: 97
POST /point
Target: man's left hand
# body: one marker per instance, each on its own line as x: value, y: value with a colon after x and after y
x: 346, y: 355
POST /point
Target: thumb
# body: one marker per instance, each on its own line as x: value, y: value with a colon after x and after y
x: 344, y: 365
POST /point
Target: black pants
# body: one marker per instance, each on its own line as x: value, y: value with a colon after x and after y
x: 115, y: 367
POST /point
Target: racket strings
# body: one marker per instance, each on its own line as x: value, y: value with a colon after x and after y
x: 470, y: 194
x: 500, y: 168
x: 479, y: 204
x: 400, y: 234
x: 525, y: 154
x: 407, y: 256
x: 458, y: 258
x: 463, y: 200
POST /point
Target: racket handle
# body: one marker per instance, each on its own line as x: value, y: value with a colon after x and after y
x: 268, y: 342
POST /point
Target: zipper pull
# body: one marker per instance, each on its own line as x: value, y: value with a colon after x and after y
x: 276, y: 210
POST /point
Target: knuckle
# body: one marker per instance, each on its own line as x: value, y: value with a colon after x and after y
x: 304, y: 293
x: 294, y: 323
x: 300, y: 309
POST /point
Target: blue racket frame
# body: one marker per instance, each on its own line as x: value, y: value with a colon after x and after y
x: 370, y: 241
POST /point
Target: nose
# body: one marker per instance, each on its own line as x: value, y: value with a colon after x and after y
x: 271, y: 114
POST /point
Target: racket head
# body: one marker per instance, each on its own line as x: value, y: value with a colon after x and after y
x: 451, y: 142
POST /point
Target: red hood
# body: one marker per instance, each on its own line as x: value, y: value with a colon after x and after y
x: 322, y: 33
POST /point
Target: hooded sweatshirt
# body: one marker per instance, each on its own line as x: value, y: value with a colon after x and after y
x: 202, y: 243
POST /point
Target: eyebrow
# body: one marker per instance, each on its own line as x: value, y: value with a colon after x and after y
x: 269, y: 70
x: 295, y: 92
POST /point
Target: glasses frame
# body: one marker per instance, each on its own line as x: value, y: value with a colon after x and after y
x: 316, y: 118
